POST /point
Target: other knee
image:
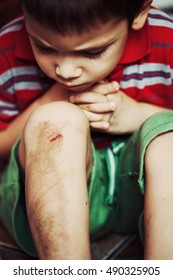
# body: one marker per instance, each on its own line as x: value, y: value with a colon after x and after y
x: 159, y: 152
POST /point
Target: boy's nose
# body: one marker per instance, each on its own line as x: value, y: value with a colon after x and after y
x: 67, y: 70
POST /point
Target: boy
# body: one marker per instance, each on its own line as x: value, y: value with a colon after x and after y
x: 55, y: 88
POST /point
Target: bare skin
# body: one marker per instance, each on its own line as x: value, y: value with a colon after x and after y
x: 158, y: 199
x: 57, y: 202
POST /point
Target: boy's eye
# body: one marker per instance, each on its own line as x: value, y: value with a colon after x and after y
x: 43, y: 49
x: 89, y: 54
x: 94, y: 55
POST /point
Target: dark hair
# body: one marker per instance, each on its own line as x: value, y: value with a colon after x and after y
x: 65, y: 16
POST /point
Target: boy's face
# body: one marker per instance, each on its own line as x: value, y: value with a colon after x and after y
x: 78, y: 61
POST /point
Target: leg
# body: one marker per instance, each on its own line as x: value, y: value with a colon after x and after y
x: 158, y: 209
x: 56, y: 154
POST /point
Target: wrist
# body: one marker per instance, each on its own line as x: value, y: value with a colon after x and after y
x: 148, y: 110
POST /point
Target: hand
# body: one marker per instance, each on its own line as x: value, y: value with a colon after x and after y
x: 97, y: 103
x: 129, y: 114
x: 111, y: 110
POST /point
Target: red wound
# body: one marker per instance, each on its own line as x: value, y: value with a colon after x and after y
x: 57, y: 137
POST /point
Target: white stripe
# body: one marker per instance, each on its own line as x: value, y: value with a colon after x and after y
x: 13, y: 25
x: 146, y: 81
x: 6, y: 76
x: 10, y: 29
x: 17, y: 72
x: 159, y: 13
x: 7, y: 105
x: 158, y: 21
x: 24, y: 86
x: 25, y: 70
x: 27, y: 85
x: 147, y: 67
x: 10, y: 113
x: 14, y: 21
x: 12, y: 109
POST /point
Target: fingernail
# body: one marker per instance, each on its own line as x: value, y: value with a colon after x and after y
x: 116, y: 85
x: 72, y: 99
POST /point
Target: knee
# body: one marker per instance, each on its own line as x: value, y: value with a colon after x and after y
x: 52, y: 117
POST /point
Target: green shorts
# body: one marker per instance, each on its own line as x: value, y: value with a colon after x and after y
x: 116, y: 186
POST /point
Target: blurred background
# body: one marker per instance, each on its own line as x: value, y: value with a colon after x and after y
x: 163, y: 4
x: 11, y: 8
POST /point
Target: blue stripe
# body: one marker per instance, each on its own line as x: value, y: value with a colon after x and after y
x: 161, y: 96
x: 5, y: 108
x: 138, y: 76
x: 160, y: 17
x: 13, y: 81
x: 17, y: 79
x: 162, y: 45
x: 24, y: 78
x: 7, y: 49
x: 11, y: 84
x: 158, y: 96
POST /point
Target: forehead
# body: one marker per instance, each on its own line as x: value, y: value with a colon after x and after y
x: 97, y: 36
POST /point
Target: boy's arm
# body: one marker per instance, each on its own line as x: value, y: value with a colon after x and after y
x: 15, y: 128
x: 109, y: 109
x: 9, y: 135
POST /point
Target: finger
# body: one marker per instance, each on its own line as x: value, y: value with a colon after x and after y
x: 100, y: 125
x: 95, y: 93
x: 99, y: 107
x: 87, y: 97
x: 92, y: 117
x: 107, y: 87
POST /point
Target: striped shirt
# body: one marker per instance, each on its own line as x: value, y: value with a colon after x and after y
x: 21, y: 80
x: 145, y: 70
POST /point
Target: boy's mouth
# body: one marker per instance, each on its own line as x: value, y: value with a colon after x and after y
x: 76, y: 87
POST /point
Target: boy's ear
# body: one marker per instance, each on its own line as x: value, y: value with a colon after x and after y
x: 140, y: 19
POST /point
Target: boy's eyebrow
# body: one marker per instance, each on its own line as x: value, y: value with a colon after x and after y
x: 104, y: 45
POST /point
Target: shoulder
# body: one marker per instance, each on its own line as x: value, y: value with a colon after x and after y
x: 9, y: 31
x: 159, y: 18
x: 9, y: 35
x: 161, y: 25
x: 161, y: 38
x: 15, y: 49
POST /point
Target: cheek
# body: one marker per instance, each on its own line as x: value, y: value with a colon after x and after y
x: 100, y: 72
x: 104, y: 69
x: 46, y: 65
